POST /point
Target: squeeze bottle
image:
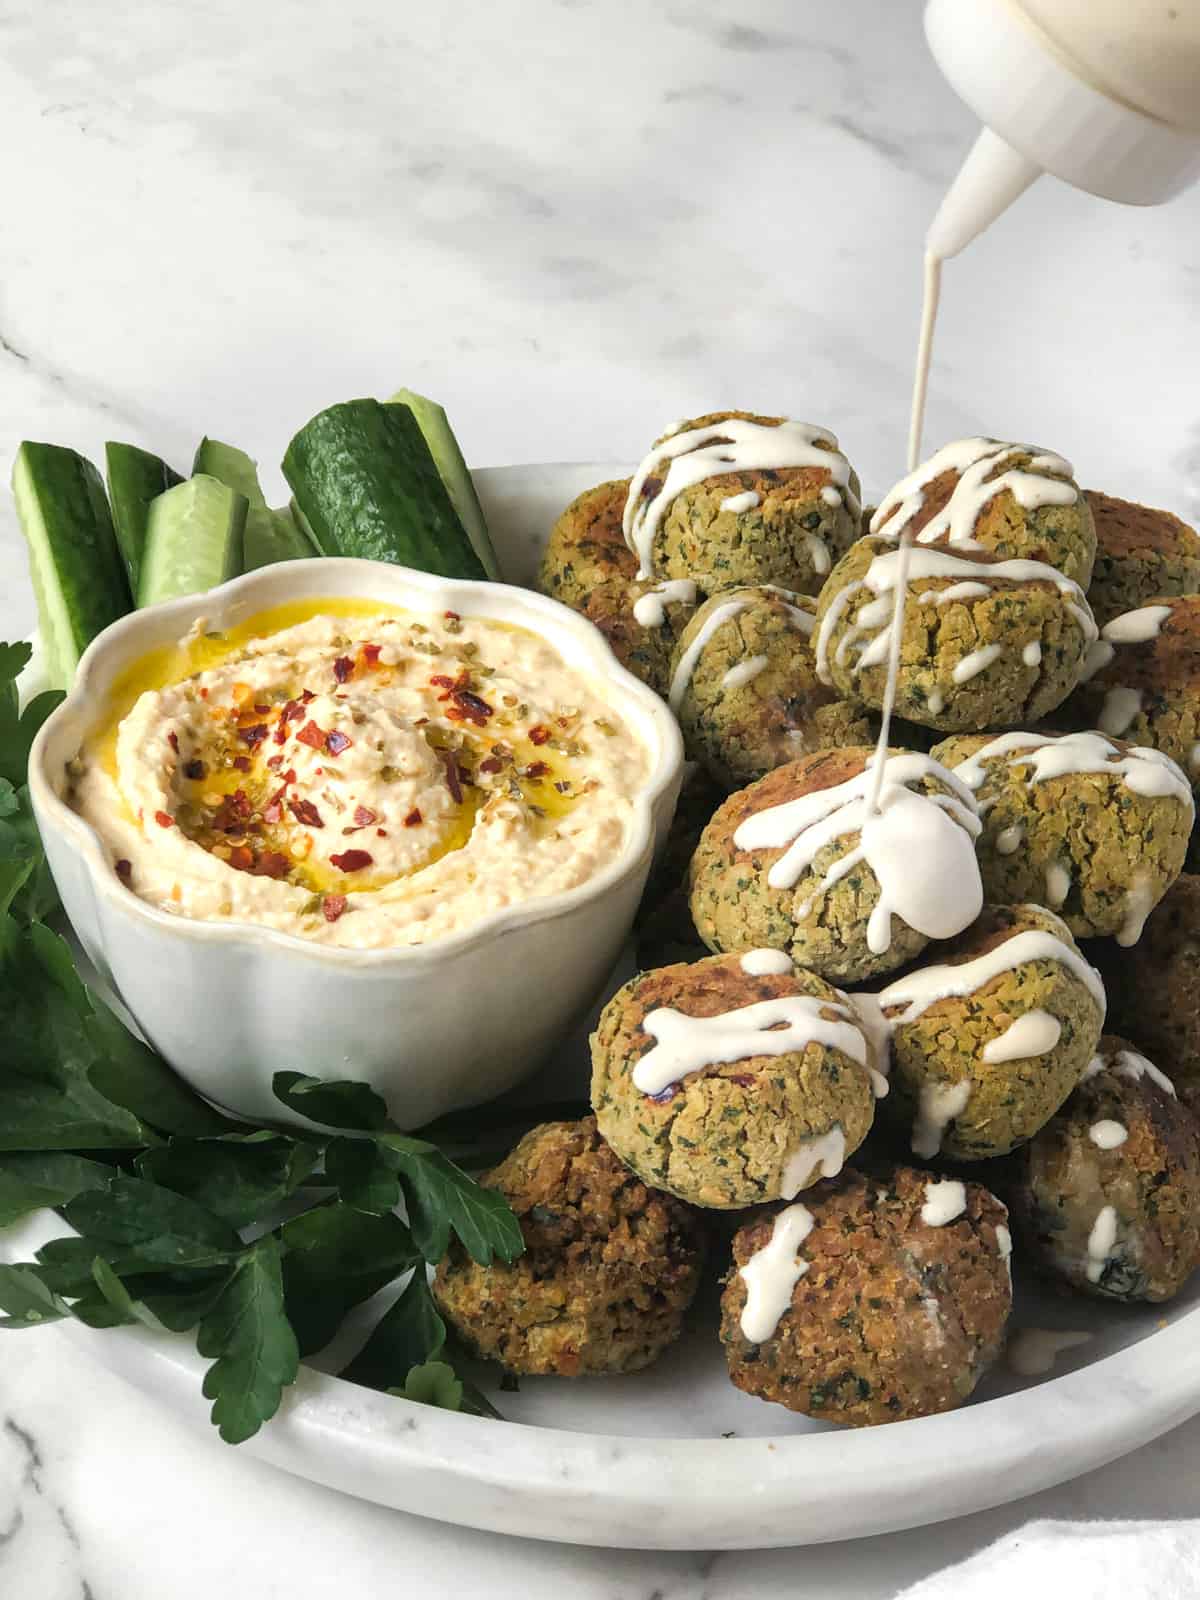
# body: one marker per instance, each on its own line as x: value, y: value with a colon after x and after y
x: 1104, y: 94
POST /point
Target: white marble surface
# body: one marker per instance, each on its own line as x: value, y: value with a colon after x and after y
x: 572, y: 222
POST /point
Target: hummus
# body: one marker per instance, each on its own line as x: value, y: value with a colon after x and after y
x: 356, y: 775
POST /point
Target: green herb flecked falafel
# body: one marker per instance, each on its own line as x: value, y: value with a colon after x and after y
x: 981, y: 646
x: 735, y: 907
x: 1094, y: 843
x: 731, y: 1132
x: 891, y: 1317
x: 1141, y: 553
x: 609, y: 1268
x: 971, y: 1077
x: 791, y: 536
x: 745, y: 689
x: 1107, y: 1194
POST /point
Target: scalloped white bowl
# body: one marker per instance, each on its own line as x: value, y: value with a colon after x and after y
x: 432, y: 1027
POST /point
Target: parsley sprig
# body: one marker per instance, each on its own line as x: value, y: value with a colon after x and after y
x: 256, y: 1241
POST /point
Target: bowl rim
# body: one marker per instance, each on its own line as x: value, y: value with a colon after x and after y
x: 118, y: 645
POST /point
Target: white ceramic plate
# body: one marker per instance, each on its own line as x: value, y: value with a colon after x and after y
x: 676, y: 1458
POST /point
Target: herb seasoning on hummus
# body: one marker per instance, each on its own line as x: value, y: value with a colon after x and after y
x: 357, y: 776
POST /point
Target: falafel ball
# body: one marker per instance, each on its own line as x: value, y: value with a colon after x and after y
x: 983, y: 645
x: 1107, y: 1195
x: 822, y: 916
x: 732, y: 1080
x: 1057, y: 531
x: 1153, y: 995
x: 587, y: 546
x: 1091, y: 827
x: 989, y: 1042
x: 1142, y: 681
x: 872, y: 1300
x: 609, y: 1269
x: 784, y: 525
x: 588, y: 566
x: 745, y: 689
x: 1140, y: 553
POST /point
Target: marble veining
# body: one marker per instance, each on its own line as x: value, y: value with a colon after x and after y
x: 529, y: 211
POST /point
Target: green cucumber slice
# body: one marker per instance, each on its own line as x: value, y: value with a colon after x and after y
x: 77, y: 572
x: 193, y: 541
x: 135, y: 477
x: 366, y: 483
x: 454, y: 473
x: 270, y: 536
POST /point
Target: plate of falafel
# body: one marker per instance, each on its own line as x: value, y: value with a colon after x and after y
x: 887, y: 1207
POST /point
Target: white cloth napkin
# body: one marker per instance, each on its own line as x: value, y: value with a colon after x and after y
x: 1077, y: 1561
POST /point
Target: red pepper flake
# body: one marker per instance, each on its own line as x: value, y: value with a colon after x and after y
x: 441, y: 681
x: 478, y: 710
x: 336, y: 742
x: 193, y: 769
x: 537, y: 769
x: 492, y: 764
x: 453, y: 777
x: 164, y: 819
x: 204, y: 694
x: 304, y: 811
x: 352, y: 860
x: 343, y: 668
x: 539, y: 734
x: 273, y: 810
x: 241, y: 857
x: 412, y: 820
x: 235, y: 810
x: 364, y: 816
x: 255, y: 735
x: 271, y: 864
x: 173, y: 740
x: 292, y: 711
x: 310, y: 734
x: 123, y: 870
x: 370, y: 654
x: 381, y: 833
x: 242, y: 763
x: 290, y: 775
x: 453, y: 616
x: 332, y: 906
x: 275, y: 762
x: 306, y: 695
x: 262, y: 710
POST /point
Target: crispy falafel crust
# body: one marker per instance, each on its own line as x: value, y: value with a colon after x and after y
x: 735, y: 908
x: 589, y: 567
x: 610, y: 1266
x: 1166, y: 672
x: 1141, y: 553
x: 893, y: 1319
x: 724, y: 1137
x: 739, y: 731
x: 772, y: 543
x: 1092, y: 825
x: 1153, y: 992
x: 1152, y: 1181
x: 1061, y: 536
x: 1009, y: 1100
x: 938, y: 639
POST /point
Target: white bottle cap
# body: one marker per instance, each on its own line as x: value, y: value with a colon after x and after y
x: 1039, y: 116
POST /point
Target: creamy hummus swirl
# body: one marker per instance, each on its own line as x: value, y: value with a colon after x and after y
x: 365, y: 780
